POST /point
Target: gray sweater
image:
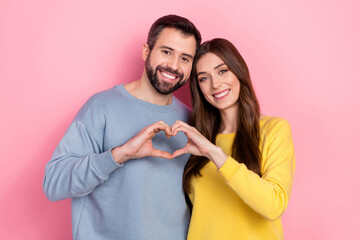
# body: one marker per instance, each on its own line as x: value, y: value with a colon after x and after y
x: 141, y: 199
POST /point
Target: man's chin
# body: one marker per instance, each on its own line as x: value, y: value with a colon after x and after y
x: 164, y: 90
x: 165, y: 87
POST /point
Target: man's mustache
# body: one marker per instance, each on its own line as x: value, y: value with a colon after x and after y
x: 167, y: 69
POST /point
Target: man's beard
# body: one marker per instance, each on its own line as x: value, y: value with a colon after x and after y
x: 163, y: 87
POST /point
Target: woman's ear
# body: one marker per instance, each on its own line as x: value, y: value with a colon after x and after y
x: 145, y: 51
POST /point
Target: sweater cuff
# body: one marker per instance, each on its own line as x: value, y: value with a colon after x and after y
x: 105, y: 164
x: 229, y: 168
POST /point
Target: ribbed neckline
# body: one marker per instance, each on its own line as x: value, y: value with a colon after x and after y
x: 225, y: 134
x: 147, y: 105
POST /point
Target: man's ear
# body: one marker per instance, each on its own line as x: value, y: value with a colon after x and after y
x: 145, y: 51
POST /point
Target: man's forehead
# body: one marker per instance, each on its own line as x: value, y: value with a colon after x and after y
x: 178, y: 41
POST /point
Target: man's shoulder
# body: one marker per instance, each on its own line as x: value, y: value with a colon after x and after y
x: 99, y: 102
x: 108, y: 97
x: 105, y: 95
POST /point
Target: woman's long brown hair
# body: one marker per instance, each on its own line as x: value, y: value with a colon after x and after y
x: 206, y: 118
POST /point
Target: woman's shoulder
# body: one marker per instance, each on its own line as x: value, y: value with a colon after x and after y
x: 270, y: 124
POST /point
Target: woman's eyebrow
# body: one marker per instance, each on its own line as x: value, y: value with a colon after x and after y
x: 221, y: 64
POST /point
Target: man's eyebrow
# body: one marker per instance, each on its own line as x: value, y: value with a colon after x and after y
x: 171, y: 49
x: 221, y: 64
x: 189, y: 56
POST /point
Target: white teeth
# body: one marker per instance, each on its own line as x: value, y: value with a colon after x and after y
x: 221, y: 94
x: 168, y: 75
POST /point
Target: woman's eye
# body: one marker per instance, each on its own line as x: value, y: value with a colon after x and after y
x: 223, y: 71
x: 201, y: 79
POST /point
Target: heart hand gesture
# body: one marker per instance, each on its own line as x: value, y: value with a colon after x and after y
x: 141, y: 144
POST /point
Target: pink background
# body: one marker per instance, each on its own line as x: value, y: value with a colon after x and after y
x: 304, y: 57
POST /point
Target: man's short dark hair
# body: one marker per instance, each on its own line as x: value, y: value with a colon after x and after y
x: 172, y: 21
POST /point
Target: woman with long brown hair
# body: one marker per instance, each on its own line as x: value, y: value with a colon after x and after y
x: 239, y: 178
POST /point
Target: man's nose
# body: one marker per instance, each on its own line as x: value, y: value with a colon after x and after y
x: 173, y: 63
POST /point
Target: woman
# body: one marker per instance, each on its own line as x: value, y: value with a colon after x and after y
x: 240, y: 174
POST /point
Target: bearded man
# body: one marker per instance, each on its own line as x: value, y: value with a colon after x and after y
x: 113, y: 161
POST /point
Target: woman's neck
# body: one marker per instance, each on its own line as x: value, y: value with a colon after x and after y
x: 228, y: 120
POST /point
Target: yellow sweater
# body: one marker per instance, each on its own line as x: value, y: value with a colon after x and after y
x: 235, y: 203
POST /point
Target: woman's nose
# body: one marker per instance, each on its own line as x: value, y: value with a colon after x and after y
x: 216, y: 82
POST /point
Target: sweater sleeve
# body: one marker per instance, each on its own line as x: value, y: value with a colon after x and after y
x: 79, y: 163
x: 267, y: 195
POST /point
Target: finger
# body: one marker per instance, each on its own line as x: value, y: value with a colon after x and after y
x: 178, y: 153
x: 181, y: 123
x: 167, y: 131
x: 181, y: 129
x: 175, y: 125
x: 160, y: 154
x: 165, y: 128
x: 160, y: 126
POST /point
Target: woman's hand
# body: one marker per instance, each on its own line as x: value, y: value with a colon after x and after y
x: 197, y: 144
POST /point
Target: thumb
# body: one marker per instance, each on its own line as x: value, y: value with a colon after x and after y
x: 160, y: 154
x: 178, y: 152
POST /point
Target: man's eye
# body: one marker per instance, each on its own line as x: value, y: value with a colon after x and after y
x: 166, y: 52
x: 185, y: 59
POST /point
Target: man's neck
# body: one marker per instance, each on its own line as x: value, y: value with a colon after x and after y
x: 143, y: 90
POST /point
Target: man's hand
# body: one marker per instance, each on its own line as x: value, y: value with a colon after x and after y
x: 141, y: 144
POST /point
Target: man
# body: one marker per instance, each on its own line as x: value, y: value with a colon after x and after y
x: 114, y: 161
